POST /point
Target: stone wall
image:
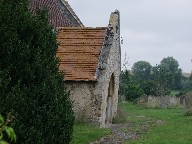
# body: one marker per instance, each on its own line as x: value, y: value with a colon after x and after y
x: 109, y: 67
x: 85, y: 103
x: 159, y: 102
x: 82, y: 96
x: 187, y: 100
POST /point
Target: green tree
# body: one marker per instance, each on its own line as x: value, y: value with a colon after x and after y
x: 186, y: 84
x: 178, y: 80
x: 124, y: 80
x: 142, y: 70
x: 31, y: 86
x: 127, y: 88
x: 172, y: 63
x: 132, y: 92
x: 175, y: 72
x: 190, y: 78
x: 142, y: 76
x: 161, y: 77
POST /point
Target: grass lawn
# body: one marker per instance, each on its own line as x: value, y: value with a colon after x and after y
x: 175, y: 92
x: 153, y: 126
x: 85, y: 133
x: 175, y: 129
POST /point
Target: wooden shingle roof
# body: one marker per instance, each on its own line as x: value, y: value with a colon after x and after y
x: 79, y: 49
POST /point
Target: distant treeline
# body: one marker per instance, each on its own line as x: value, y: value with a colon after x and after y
x: 144, y: 79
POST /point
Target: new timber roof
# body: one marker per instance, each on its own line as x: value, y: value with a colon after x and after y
x: 79, y: 50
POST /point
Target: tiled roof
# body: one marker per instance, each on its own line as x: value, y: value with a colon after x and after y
x: 185, y: 74
x: 79, y: 51
x: 72, y: 12
x: 58, y: 16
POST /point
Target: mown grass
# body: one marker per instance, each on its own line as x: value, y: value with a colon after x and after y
x: 175, y: 92
x: 153, y: 126
x: 86, y: 133
x: 175, y: 129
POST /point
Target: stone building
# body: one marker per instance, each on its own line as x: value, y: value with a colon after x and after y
x: 90, y: 59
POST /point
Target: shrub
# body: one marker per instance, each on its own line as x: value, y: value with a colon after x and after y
x: 31, y: 86
x: 188, y: 113
x: 132, y: 92
x: 4, y: 128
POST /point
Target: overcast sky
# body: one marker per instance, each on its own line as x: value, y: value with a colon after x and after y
x: 151, y: 29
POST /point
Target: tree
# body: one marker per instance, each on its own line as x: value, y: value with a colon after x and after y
x: 124, y: 80
x: 142, y: 70
x: 190, y: 78
x: 31, y: 86
x: 161, y: 77
x: 142, y: 76
x: 178, y: 79
x: 172, y: 63
x: 186, y: 84
x: 133, y: 92
x: 127, y: 88
x: 175, y: 72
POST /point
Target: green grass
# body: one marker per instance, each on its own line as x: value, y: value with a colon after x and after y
x: 176, y: 128
x: 175, y: 92
x: 85, y: 133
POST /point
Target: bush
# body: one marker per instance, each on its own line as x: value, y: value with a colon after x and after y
x: 188, y: 113
x: 4, y: 128
x: 30, y: 84
x: 127, y: 88
x: 132, y: 92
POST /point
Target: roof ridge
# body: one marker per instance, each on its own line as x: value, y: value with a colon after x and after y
x: 69, y: 8
x: 83, y: 28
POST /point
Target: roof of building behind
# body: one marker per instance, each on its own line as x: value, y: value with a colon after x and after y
x: 72, y: 12
x: 79, y: 50
x: 57, y: 12
x: 185, y: 74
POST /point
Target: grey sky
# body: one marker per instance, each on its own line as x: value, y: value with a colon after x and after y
x: 151, y: 29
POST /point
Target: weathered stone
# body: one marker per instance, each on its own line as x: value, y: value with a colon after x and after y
x: 159, y: 102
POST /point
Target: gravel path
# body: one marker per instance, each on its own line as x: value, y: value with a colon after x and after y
x: 129, y: 131
x: 117, y: 136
